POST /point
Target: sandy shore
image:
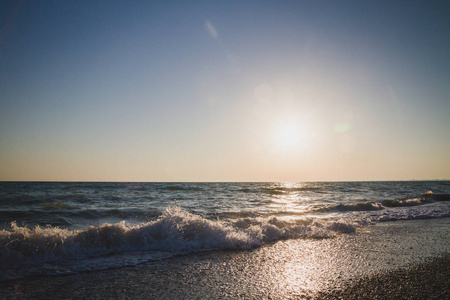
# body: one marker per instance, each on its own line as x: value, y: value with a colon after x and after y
x: 423, y: 281
x: 420, y: 281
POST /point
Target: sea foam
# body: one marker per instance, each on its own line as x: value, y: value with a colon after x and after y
x: 174, y: 232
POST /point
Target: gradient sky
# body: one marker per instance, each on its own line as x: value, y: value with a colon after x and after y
x: 224, y: 90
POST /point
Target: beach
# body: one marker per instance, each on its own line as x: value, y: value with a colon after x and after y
x: 422, y: 281
x: 405, y: 260
x: 224, y: 150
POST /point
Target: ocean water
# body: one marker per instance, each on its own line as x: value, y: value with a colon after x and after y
x: 49, y: 228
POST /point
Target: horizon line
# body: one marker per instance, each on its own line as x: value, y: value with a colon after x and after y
x: 260, y: 181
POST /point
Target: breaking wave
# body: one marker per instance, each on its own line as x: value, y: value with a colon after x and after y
x: 426, y: 198
x: 52, y: 250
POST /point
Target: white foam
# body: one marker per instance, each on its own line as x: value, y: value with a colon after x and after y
x: 53, y: 250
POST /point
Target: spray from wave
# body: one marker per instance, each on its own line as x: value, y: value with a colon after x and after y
x: 43, y: 250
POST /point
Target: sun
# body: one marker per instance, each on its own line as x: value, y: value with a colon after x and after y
x: 289, y: 135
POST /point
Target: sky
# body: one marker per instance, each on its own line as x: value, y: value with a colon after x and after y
x: 224, y: 90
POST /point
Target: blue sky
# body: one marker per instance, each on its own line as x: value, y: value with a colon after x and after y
x: 224, y: 90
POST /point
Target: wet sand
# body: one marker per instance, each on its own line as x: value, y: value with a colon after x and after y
x: 404, y: 260
x: 422, y: 281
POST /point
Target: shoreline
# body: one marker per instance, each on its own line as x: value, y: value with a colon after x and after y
x: 426, y: 280
x: 393, y: 260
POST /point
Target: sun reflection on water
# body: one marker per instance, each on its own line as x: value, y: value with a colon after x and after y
x: 290, y: 198
x: 295, y: 269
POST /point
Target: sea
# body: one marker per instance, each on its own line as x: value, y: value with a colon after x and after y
x: 55, y: 228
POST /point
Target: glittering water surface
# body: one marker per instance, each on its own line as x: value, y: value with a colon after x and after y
x: 58, y: 228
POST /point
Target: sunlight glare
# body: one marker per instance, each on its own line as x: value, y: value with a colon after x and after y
x: 289, y: 135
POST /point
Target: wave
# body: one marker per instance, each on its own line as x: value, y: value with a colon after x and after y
x: 57, y: 209
x: 436, y: 197
x: 47, y: 250
x: 426, y: 198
